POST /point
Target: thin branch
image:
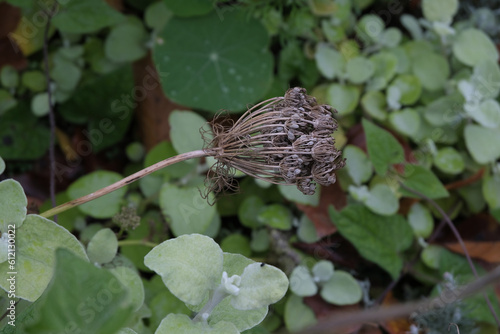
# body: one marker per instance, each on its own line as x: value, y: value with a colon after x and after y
x: 345, y: 319
x: 52, y: 118
x: 137, y: 243
x: 459, y: 239
x: 123, y: 182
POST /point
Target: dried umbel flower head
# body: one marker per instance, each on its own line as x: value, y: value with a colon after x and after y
x: 283, y: 140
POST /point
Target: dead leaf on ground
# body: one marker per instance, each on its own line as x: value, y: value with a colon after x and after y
x: 395, y: 326
x: 488, y: 251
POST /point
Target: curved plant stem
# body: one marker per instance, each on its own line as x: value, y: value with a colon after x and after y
x: 137, y: 243
x: 124, y: 182
x: 460, y: 241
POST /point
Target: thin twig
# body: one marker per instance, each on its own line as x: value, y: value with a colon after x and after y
x: 123, y: 182
x: 52, y: 118
x: 345, y: 319
x: 460, y: 241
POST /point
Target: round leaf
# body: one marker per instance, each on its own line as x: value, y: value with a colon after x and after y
x: 295, y: 195
x: 276, y: 216
x: 390, y: 37
x: 248, y: 211
x: 185, y: 131
x: 102, y: 247
x: 374, y: 104
x: 491, y: 191
x: 485, y: 80
x: 441, y: 11
x: 307, y: 231
x: 473, y: 46
x: 420, y: 220
x: 385, y: 64
x: 236, y: 243
x: 330, y: 62
x: 358, y: 166
x: 156, y: 15
x: 9, y: 78
x: 430, y: 256
x: 322, y: 271
x: 359, y: 69
x: 432, y: 70
x: 2, y: 166
x: 449, y: 161
x: 406, y: 121
x: 479, y: 141
x: 40, y: 104
x: 343, y: 98
x: 410, y: 88
x: 133, y: 283
x: 260, y: 240
x: 341, y: 289
x: 241, y: 319
x: 104, y: 207
x: 382, y: 200
x: 13, y: 204
x: 302, y: 283
x: 190, y: 266
x: 260, y: 286
x: 186, y: 211
x: 297, y: 315
x: 126, y: 42
x: 370, y: 27
x: 36, y: 242
x: 487, y: 113
x: 232, y: 55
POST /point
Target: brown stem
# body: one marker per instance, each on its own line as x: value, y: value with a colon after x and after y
x: 124, y: 182
x: 460, y: 241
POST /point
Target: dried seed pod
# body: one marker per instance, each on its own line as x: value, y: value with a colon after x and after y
x: 284, y: 140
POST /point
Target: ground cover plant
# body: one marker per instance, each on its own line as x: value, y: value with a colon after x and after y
x: 391, y: 199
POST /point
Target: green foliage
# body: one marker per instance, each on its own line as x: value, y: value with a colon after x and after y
x: 239, y: 64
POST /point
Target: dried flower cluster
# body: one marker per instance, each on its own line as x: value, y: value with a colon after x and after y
x: 284, y: 140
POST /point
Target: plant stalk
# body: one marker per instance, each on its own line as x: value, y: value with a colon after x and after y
x: 125, y: 181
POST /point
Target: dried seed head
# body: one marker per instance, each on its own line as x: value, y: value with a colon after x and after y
x: 284, y: 140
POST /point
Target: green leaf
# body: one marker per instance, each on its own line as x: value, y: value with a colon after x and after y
x: 473, y: 46
x: 432, y: 70
x: 185, y: 210
x: 382, y: 200
x: 370, y: 27
x: 165, y: 303
x: 102, y: 247
x: 248, y: 211
x: 424, y: 181
x: 491, y: 191
x: 237, y: 66
x: 190, y: 266
x: 449, y: 161
x: 9, y: 78
x: 430, y: 256
x: 236, y: 243
x: 132, y: 282
x: 126, y: 42
x: 80, y: 296
x: 276, y: 216
x: 156, y: 15
x: 182, y: 324
x: 7, y: 101
x: 189, y: 8
x: 89, y: 16
x: 409, y: 86
x: 322, y: 270
x: 487, y: 113
x: 2, y: 166
x: 445, y: 110
x: 385, y: 64
x: 343, y: 98
x: 479, y: 139
x: 378, y: 239
x: 297, y: 315
x: 185, y: 130
x: 12, y: 206
x: 302, y: 283
x: 485, y: 80
x: 359, y: 69
x: 329, y: 61
x: 441, y: 11
x: 260, y: 240
x: 383, y: 148
x: 358, y: 166
x: 104, y: 207
x: 406, y: 121
x: 14, y: 127
x: 40, y: 104
x: 36, y: 242
x: 95, y: 56
x: 295, y: 195
x: 307, y: 231
x: 420, y: 220
x: 374, y: 103
x: 341, y: 289
x: 260, y: 286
